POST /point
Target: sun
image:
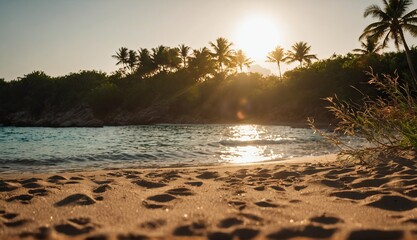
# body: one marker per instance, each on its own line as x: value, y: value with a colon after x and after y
x: 257, y: 36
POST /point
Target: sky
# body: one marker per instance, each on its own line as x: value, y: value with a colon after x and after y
x: 63, y: 36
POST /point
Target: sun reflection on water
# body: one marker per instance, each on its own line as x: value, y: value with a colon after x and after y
x: 244, y: 145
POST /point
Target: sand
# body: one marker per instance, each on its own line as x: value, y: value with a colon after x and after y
x: 309, y: 198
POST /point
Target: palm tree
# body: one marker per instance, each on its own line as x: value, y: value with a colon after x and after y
x: 146, y: 64
x: 371, y: 46
x: 241, y: 60
x: 299, y: 53
x: 201, y: 63
x: 393, y: 21
x: 184, y: 54
x: 132, y: 60
x: 222, y: 52
x: 276, y: 56
x: 160, y: 57
x: 174, y: 59
x: 122, y: 57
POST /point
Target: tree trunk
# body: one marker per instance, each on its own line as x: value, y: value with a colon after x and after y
x: 279, y: 69
x: 409, y: 61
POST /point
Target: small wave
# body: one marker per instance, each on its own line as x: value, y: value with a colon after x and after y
x: 237, y: 143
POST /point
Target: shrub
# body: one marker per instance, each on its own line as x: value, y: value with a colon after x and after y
x: 387, y: 122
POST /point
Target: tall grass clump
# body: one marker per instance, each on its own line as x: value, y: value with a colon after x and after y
x: 388, y: 122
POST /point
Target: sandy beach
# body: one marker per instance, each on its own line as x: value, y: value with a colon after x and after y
x: 308, y: 198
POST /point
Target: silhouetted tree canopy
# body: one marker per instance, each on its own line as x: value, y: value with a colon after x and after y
x: 176, y: 85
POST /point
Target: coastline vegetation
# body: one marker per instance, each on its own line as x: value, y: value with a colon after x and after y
x: 180, y: 85
x: 389, y: 121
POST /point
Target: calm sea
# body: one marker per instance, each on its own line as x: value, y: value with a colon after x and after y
x: 55, y: 149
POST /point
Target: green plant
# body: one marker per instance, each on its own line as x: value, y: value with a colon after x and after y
x: 387, y: 122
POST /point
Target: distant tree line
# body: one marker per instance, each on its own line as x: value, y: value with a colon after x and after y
x: 210, y: 93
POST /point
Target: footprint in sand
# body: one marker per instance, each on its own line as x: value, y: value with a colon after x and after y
x: 71, y: 182
x: 245, y: 233
x: 219, y: 236
x: 102, y: 188
x: 56, y: 179
x: 260, y: 188
x: 75, y: 199
x: 348, y: 179
x: 38, y: 192
x: 171, y: 175
x: 263, y: 174
x: 24, y: 198
x: 326, y: 220
x: 266, y: 204
x: 308, y: 231
x: 340, y: 171
x: 333, y: 183
x: 131, y: 174
x: 6, y: 187
x: 17, y: 223
x: 231, y: 181
x: 75, y: 227
x: 194, y: 229
x: 150, y: 205
x: 375, y: 234
x: 181, y: 191
x: 194, y: 184
x: 299, y: 187
x: 80, y: 221
x: 278, y: 188
x: 11, y: 221
x: 148, y: 184
x: 208, y: 175
x: 162, y: 198
x: 9, y: 216
x: 132, y: 236
x: 72, y: 230
x: 369, y: 182
x: 393, y: 203
x: 76, y: 178
x: 230, y: 222
x: 285, y: 174
x: 355, y: 195
x: 32, y: 185
x: 101, y: 182
x: 29, y: 180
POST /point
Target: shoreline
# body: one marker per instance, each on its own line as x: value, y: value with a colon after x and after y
x: 298, y: 123
x: 309, y: 198
x: 118, y: 166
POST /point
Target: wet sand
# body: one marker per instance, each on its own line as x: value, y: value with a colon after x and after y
x: 309, y: 198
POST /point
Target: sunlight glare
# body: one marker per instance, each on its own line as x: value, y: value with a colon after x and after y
x: 245, y: 149
x: 257, y: 36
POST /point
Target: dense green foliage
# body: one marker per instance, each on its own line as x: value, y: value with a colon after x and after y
x: 200, y: 92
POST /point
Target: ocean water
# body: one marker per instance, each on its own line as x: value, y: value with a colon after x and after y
x: 54, y: 149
